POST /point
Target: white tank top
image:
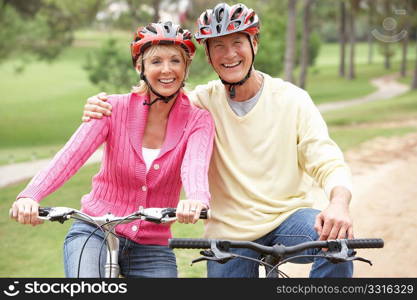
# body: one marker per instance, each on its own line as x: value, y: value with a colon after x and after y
x: 149, y: 156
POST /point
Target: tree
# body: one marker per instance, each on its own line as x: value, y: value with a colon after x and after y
x: 414, y: 82
x: 111, y: 57
x: 41, y: 28
x: 155, y: 6
x: 405, y: 41
x: 354, y: 8
x: 371, y: 14
x: 342, y: 38
x: 270, y: 56
x: 413, y: 13
x: 305, y: 44
x: 290, y: 45
x: 140, y: 12
x: 386, y: 45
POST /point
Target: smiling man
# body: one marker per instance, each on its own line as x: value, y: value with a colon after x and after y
x: 271, y: 143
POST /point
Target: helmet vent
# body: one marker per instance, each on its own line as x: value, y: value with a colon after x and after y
x: 219, y: 14
x: 151, y: 28
x: 236, y: 13
x: 206, y: 19
x: 219, y: 28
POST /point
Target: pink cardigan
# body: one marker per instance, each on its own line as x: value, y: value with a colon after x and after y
x: 122, y: 184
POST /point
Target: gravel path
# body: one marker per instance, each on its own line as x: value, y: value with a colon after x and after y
x: 387, y: 87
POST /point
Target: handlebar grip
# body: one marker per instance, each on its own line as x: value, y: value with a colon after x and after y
x: 205, y: 214
x: 171, y: 212
x: 365, y: 243
x: 189, y: 243
x: 44, y: 211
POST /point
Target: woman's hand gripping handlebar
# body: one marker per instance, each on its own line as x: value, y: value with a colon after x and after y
x: 155, y: 215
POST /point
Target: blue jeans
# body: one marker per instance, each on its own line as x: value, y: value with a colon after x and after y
x: 135, y: 260
x: 296, y: 229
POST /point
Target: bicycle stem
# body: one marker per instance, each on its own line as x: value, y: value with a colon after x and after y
x: 112, y: 268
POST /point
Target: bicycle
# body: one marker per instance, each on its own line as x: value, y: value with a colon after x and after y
x: 272, y: 257
x: 107, y: 223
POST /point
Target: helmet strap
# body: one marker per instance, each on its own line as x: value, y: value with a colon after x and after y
x: 164, y: 99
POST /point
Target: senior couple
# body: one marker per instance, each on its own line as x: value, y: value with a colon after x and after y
x: 247, y: 146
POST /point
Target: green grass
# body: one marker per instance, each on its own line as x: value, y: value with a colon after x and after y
x: 395, y: 109
x: 324, y: 84
x: 37, y: 251
x: 11, y: 155
x: 348, y: 138
x: 343, y: 124
x: 329, y: 54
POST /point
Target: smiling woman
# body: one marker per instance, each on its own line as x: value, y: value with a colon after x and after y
x: 155, y: 142
x: 150, y: 38
x: 166, y: 69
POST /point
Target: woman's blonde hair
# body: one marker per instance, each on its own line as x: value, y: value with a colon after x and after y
x: 142, y: 87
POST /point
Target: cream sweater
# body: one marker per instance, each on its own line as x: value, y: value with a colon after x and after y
x: 264, y: 163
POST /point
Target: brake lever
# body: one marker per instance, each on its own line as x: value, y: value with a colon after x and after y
x: 214, y: 254
x: 337, y: 254
x: 157, y: 215
x: 60, y: 214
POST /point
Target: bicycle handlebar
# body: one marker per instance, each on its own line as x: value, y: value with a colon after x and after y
x: 155, y: 215
x: 225, y: 244
x: 276, y: 255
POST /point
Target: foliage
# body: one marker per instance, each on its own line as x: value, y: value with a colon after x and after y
x: 200, y: 68
x: 110, y: 68
x: 41, y: 29
x: 271, y: 49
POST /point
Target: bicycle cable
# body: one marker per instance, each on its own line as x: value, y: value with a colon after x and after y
x: 85, y: 243
x: 253, y: 259
x: 289, y: 259
x: 264, y: 264
x: 83, y: 247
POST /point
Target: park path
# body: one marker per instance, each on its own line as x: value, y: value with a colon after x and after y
x: 387, y: 87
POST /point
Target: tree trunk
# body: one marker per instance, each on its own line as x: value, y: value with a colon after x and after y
x: 305, y: 47
x: 386, y: 45
x: 371, y: 15
x: 155, y: 5
x: 290, y: 41
x: 407, y: 28
x: 414, y: 83
x: 352, y: 41
x: 404, y: 57
x: 342, y: 39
